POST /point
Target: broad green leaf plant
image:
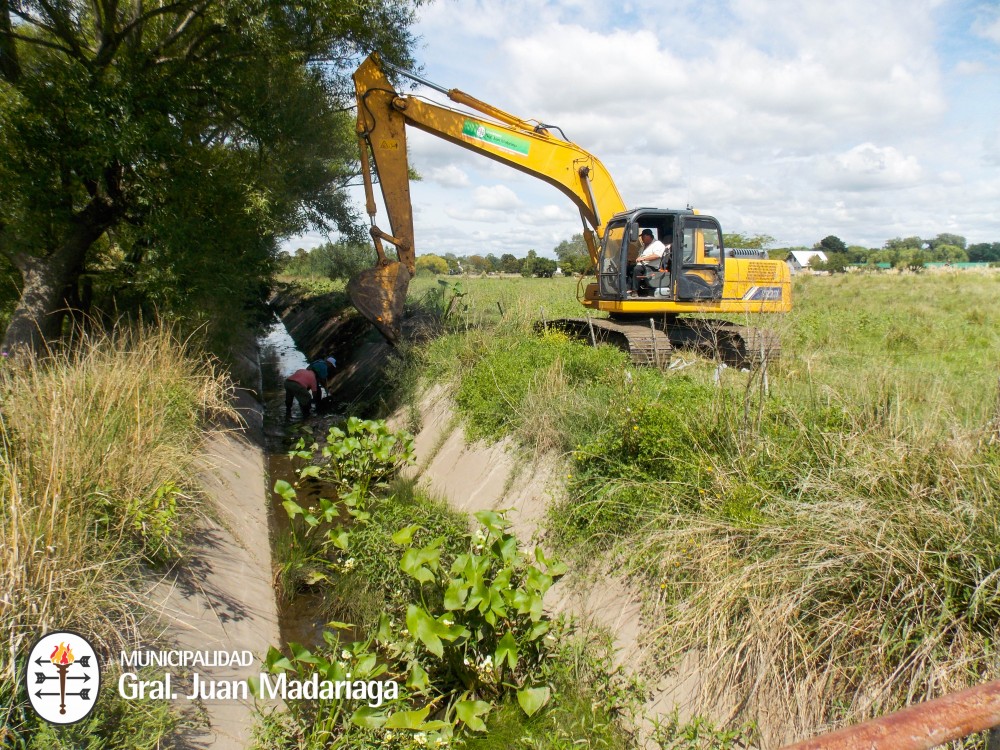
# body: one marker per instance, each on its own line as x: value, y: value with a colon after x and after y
x: 474, y: 634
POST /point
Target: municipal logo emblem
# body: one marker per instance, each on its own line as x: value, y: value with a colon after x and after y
x: 63, y: 677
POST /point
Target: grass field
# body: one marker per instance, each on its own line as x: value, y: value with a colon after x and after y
x: 828, y: 537
x: 924, y: 338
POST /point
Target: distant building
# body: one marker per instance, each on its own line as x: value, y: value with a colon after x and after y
x: 799, y: 260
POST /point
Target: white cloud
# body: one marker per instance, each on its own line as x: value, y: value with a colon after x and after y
x: 991, y: 148
x: 863, y: 118
x: 495, y: 198
x: 449, y: 176
x: 869, y: 167
x: 987, y: 25
x: 548, y: 215
x: 970, y: 68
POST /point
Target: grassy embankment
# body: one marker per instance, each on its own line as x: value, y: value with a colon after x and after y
x: 829, y: 541
x: 96, y: 456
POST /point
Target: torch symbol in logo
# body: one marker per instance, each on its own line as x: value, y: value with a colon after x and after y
x: 62, y: 657
x: 74, y: 671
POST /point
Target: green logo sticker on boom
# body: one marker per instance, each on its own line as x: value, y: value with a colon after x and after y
x: 496, y: 138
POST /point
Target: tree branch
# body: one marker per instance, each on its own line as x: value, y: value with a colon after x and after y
x: 63, y: 28
x: 10, y: 66
x: 42, y: 43
x: 163, y: 10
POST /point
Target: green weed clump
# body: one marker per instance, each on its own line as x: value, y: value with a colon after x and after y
x: 97, y: 449
x: 454, y: 619
x: 544, y: 390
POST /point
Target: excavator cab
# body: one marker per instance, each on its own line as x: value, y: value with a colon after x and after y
x: 692, y: 268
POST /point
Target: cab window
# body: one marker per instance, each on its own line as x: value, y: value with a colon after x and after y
x: 611, y: 267
x: 702, y: 243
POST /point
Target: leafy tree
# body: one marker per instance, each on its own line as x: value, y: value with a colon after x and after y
x: 832, y: 244
x: 510, y: 264
x: 477, y: 264
x: 947, y: 253
x: 528, y: 265
x: 166, y: 148
x: 917, y: 262
x: 857, y: 254
x: 984, y: 252
x: 345, y: 259
x: 947, y: 239
x: 835, y: 263
x: 545, y: 267
x: 573, y: 255
x: 494, y: 262
x: 431, y: 263
x: 904, y: 243
x: 753, y: 241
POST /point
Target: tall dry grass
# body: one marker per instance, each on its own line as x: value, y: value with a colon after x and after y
x: 870, y: 582
x: 97, y: 447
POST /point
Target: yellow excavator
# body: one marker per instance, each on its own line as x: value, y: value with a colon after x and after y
x: 697, y: 273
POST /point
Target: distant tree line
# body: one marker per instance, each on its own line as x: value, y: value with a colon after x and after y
x: 905, y: 252
x: 344, y: 258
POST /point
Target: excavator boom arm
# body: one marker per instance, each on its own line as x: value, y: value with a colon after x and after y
x: 383, y: 117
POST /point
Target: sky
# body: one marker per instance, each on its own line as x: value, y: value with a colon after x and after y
x: 865, y: 119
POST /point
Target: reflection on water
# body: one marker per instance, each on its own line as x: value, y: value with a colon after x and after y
x: 279, y: 358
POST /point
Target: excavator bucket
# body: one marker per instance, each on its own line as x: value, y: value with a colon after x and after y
x: 379, y: 293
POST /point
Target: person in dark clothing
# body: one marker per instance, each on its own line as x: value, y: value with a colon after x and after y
x: 301, y: 386
x: 323, y: 369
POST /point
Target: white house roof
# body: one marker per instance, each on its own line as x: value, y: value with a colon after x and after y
x: 803, y: 257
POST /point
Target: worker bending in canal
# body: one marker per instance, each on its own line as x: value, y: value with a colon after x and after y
x: 301, y: 386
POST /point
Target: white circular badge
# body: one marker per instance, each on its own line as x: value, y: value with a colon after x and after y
x: 63, y: 677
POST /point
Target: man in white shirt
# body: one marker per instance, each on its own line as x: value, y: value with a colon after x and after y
x: 649, y: 259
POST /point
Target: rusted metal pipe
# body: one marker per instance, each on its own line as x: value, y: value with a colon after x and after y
x: 918, y: 727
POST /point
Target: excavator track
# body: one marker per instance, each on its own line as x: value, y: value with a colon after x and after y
x: 736, y: 345
x: 646, y: 345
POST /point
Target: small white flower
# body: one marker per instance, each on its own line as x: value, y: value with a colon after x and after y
x: 345, y: 654
x: 448, y: 623
x: 420, y: 738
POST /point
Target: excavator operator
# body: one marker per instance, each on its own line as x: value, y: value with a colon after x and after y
x: 649, y: 260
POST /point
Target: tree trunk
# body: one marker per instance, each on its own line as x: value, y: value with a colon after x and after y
x: 40, y: 311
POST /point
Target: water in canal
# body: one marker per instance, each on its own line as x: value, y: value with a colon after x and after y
x: 301, y: 617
